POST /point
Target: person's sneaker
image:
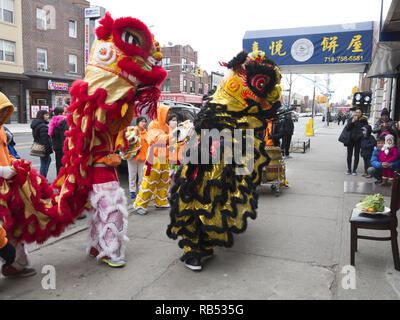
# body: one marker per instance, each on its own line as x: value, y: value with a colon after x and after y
x: 194, y: 264
x: 114, y: 263
x: 378, y: 181
x: 354, y: 173
x: 289, y: 157
x: 141, y: 211
x: 348, y: 172
x: 162, y: 207
x: 93, y: 252
x: 132, y: 195
x: 11, y: 272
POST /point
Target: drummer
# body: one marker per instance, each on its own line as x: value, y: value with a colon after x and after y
x: 273, y: 133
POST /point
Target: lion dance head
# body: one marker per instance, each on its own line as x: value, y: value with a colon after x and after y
x: 122, y: 79
x: 252, y: 78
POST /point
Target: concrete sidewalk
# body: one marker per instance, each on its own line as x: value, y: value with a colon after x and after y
x: 19, y: 127
x: 296, y: 249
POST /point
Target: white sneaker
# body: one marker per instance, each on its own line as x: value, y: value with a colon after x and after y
x: 114, y: 263
x: 141, y: 211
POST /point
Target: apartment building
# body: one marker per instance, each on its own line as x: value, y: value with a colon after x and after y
x: 11, y: 55
x: 53, y: 41
x: 182, y: 83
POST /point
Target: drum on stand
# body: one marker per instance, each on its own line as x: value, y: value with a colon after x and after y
x: 275, y: 167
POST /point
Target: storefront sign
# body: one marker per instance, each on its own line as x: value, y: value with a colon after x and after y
x: 58, y: 86
x: 92, y: 12
x: 182, y: 98
x: 325, y: 45
x: 87, y: 21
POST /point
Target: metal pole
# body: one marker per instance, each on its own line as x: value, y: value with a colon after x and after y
x: 313, y: 102
x: 290, y: 89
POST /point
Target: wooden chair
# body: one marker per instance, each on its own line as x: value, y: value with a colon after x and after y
x: 360, y: 220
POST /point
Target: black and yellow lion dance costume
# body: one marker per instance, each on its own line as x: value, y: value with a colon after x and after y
x: 211, y: 201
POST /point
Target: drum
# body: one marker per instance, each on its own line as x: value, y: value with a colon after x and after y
x: 275, y: 168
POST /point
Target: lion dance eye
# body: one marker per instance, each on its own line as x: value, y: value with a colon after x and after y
x: 259, y: 82
x: 130, y: 38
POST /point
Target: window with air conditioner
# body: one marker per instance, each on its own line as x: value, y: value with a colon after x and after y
x: 192, y: 67
x: 73, y: 63
x: 184, y: 85
x: 167, y: 85
x: 166, y: 63
x: 41, y: 56
x: 184, y: 65
x: 7, y: 51
x: 41, y: 19
x: 73, y: 28
x: 7, y: 11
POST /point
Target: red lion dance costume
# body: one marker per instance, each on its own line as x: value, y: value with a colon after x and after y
x: 123, y: 77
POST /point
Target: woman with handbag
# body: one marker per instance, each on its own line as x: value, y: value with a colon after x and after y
x: 354, y: 131
x: 42, y: 146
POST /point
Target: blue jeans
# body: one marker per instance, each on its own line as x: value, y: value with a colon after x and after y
x: 44, y: 165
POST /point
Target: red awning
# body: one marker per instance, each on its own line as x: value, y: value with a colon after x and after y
x: 180, y: 97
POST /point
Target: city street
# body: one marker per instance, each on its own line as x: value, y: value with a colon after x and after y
x: 296, y: 249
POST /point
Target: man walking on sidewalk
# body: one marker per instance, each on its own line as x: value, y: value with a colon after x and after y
x: 288, y: 130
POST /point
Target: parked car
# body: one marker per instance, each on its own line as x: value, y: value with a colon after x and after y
x: 184, y: 111
x: 295, y: 116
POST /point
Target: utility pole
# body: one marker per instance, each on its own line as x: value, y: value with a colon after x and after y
x: 313, y: 100
x: 290, y: 89
x: 328, y: 82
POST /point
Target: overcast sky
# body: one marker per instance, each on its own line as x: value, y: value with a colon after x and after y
x: 215, y: 28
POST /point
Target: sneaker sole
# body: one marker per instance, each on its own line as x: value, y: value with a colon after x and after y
x: 193, y: 268
x: 113, y: 264
x: 22, y: 275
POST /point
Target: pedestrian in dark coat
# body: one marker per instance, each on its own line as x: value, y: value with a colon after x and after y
x: 385, y: 124
x: 354, y: 129
x: 368, y: 143
x: 40, y: 132
x: 287, y: 131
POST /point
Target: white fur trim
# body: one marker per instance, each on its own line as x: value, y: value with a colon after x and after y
x: 114, y: 196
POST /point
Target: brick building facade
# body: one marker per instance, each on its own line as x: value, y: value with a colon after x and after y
x: 53, y: 44
x: 182, y: 84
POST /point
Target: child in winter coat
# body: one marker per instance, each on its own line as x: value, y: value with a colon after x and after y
x: 368, y: 142
x: 389, y: 153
